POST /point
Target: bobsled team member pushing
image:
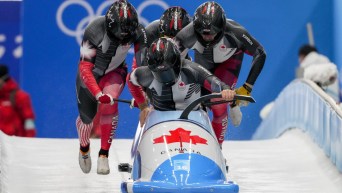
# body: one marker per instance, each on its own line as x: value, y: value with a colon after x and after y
x: 101, y: 76
x: 171, y: 83
x: 170, y: 23
x: 219, y: 46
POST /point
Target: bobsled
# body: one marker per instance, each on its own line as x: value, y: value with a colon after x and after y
x: 177, y: 151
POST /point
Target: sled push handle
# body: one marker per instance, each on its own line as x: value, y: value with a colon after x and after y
x: 123, y: 100
x: 204, y: 98
x: 237, y: 97
x: 130, y: 102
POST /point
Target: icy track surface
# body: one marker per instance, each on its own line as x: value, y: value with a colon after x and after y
x: 293, y: 163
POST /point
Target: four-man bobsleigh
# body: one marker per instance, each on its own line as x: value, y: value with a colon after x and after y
x: 177, y: 151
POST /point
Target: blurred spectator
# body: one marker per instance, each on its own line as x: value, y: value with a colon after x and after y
x: 16, y: 113
x: 318, y: 68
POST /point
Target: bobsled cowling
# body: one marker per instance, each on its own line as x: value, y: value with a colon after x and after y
x: 178, y: 155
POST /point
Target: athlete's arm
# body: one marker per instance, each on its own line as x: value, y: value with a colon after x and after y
x: 206, y: 79
x: 138, y: 80
x: 86, y: 65
x: 251, y: 47
x: 212, y: 83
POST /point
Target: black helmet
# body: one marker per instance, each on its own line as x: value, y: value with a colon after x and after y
x: 121, y: 20
x: 172, y: 21
x: 209, y: 19
x: 164, y: 60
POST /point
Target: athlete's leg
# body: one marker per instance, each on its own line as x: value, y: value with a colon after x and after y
x: 113, y: 84
x: 228, y: 73
x: 219, y: 122
x: 87, y: 107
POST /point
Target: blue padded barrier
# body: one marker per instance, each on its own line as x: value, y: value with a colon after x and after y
x: 302, y: 104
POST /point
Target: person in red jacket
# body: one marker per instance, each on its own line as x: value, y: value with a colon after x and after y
x: 16, y: 112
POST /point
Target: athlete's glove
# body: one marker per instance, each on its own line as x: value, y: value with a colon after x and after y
x: 105, y: 99
x: 243, y: 90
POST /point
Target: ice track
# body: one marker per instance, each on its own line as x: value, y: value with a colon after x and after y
x: 292, y: 163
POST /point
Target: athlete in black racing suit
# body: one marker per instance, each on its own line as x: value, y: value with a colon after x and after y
x: 219, y: 46
x: 171, y: 83
x: 101, y: 76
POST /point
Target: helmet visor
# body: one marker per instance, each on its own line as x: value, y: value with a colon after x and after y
x: 208, y: 37
x: 122, y: 31
x: 209, y: 30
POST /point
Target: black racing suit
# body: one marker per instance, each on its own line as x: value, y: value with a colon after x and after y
x: 223, y: 58
x: 102, y: 69
x: 186, y: 89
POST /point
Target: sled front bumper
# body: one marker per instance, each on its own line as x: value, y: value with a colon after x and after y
x: 163, y: 187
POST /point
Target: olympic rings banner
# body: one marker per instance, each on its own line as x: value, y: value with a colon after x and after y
x: 52, y: 32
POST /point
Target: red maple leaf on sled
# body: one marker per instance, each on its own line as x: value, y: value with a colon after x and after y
x: 182, y: 136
